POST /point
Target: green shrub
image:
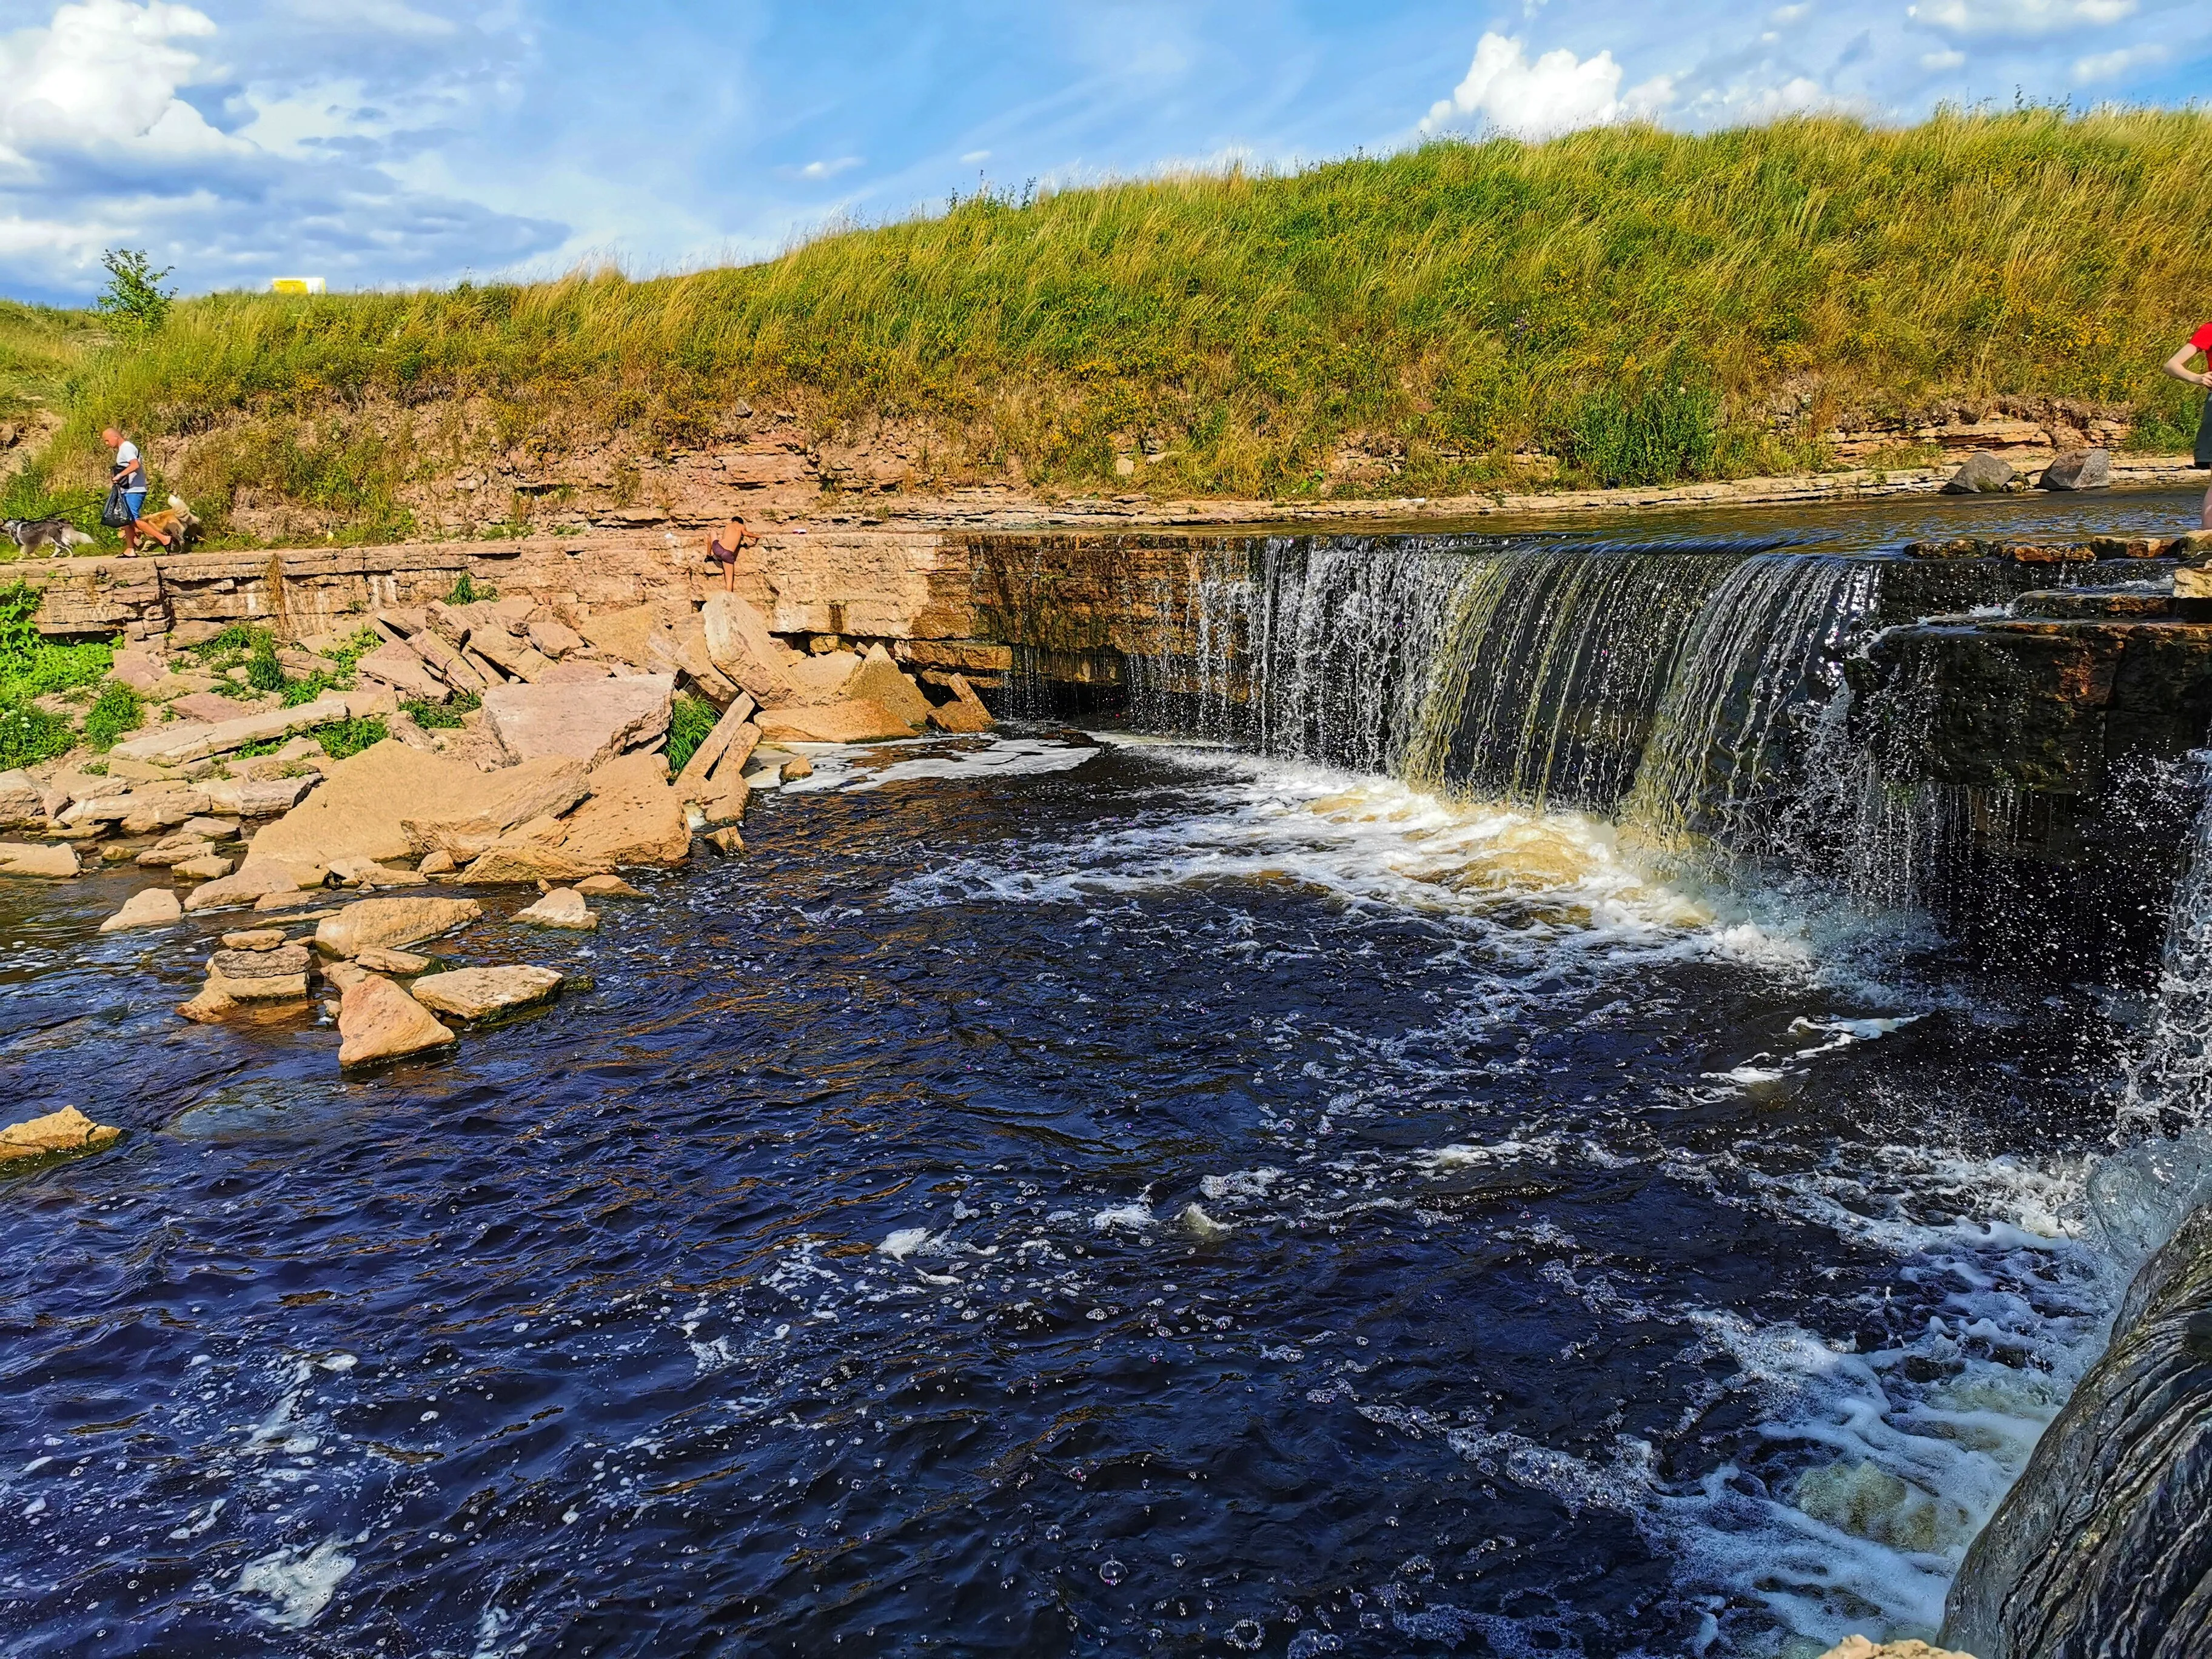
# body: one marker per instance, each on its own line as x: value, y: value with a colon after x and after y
x: 363, y: 641
x: 689, y: 722
x: 1659, y: 433
x: 307, y: 689
x: 466, y: 591
x: 116, y: 710
x: 263, y: 671
x: 28, y: 734
x: 235, y: 638
x: 342, y: 738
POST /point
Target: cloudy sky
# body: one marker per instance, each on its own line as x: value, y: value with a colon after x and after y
x: 397, y: 141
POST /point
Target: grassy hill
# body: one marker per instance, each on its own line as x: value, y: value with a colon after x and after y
x: 1628, y: 301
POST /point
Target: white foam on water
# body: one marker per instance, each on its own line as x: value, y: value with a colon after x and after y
x: 906, y: 1242
x: 1131, y: 1217
x: 857, y: 768
x: 300, y: 1583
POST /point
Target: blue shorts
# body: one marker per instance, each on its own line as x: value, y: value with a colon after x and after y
x: 135, y: 501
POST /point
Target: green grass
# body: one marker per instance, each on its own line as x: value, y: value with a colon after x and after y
x: 340, y: 739
x: 1631, y: 302
x: 690, y: 721
x: 117, y: 710
x: 32, y: 667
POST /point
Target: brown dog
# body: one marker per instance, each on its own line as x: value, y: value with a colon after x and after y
x: 172, y: 528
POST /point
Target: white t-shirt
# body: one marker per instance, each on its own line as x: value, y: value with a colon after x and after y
x: 126, y: 453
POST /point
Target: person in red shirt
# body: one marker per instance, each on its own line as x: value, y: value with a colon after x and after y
x: 2178, y: 365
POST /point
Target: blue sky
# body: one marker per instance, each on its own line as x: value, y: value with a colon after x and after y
x: 400, y: 141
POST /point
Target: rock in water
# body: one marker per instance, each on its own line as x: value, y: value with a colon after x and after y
x: 2078, y: 469
x: 378, y: 1021
x: 1983, y: 474
x: 255, y: 876
x: 476, y: 993
x: 58, y: 1134
x: 254, y: 938
x: 832, y: 722
x: 965, y: 712
x: 1858, y: 1647
x: 592, y: 722
x: 36, y: 858
x: 792, y: 770
x: 393, y: 802
x: 389, y: 922
x: 156, y: 907
x: 593, y: 887
x: 878, y: 680
x: 564, y: 907
x: 401, y: 964
x: 276, y: 975
x: 208, y: 866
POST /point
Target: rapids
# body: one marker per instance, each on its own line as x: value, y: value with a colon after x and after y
x: 1394, y: 1162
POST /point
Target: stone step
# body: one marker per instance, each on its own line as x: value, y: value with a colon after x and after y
x: 2074, y: 603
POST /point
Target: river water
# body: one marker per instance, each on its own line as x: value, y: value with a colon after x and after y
x: 1064, y: 1193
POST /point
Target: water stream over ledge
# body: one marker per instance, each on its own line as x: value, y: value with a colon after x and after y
x: 1077, y: 1193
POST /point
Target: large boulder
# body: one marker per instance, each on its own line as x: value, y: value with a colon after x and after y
x: 739, y: 640
x: 393, y: 802
x: 155, y: 907
x: 824, y: 678
x: 21, y: 800
x: 832, y: 722
x: 632, y: 817
x: 58, y: 1134
x: 592, y: 722
x: 19, y: 858
x: 1982, y: 474
x: 389, y: 922
x: 378, y: 1021
x: 257, y: 798
x: 478, y: 993
x: 2078, y: 469
x: 878, y: 680
x: 964, y: 713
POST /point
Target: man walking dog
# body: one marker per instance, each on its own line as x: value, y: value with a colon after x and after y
x: 2178, y: 365
x: 130, y: 476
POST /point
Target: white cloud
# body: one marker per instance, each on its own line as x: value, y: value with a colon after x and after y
x: 1938, y: 62
x: 2020, y: 17
x: 975, y: 155
x: 2111, y: 65
x: 830, y: 169
x: 1557, y: 93
x: 104, y: 75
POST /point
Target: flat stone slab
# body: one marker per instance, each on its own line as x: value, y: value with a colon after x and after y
x: 476, y: 993
x: 174, y: 743
x: 37, y: 859
x: 58, y: 1134
x: 156, y: 907
x: 591, y: 721
x: 378, y: 1021
x: 389, y: 922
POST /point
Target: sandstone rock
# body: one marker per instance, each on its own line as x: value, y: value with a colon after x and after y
x: 208, y: 866
x: 964, y: 713
x: 162, y: 812
x: 64, y: 1133
x: 20, y: 801
x: 404, y: 620
x: 576, y: 671
x: 257, y: 876
x: 726, y: 841
x: 209, y: 829
x: 32, y: 859
x: 343, y: 975
x: 477, y: 993
x: 555, y: 638
x: 389, y: 801
x: 209, y: 707
x: 175, y: 850
x: 1859, y: 1647
x: 401, y: 669
x: 498, y: 802
x: 138, y: 668
x: 508, y: 654
x: 738, y: 642
x: 877, y: 680
x: 564, y: 907
x: 439, y: 863
x: 154, y: 907
x: 606, y: 887
x: 210, y: 1007
x: 794, y: 770
x: 2078, y: 469
x: 836, y: 722
x: 590, y: 722
x: 823, y: 678
x: 102, y: 809
x: 174, y: 743
x: 369, y: 923
x: 254, y: 938
x: 723, y: 802
x: 632, y: 817
x: 258, y: 798
x: 2192, y: 581
x: 118, y: 852
x: 524, y: 860
x: 278, y: 975
x: 402, y: 964
x: 1983, y: 474
x: 378, y: 1021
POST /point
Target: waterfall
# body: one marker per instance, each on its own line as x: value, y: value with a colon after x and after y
x: 2170, y: 1085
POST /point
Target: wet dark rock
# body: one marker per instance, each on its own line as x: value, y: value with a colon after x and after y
x: 2078, y: 469
x: 1983, y: 474
x: 2101, y: 1547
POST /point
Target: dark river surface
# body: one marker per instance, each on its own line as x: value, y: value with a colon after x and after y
x: 1053, y: 1196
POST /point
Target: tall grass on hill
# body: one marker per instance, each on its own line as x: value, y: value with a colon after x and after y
x: 1626, y: 299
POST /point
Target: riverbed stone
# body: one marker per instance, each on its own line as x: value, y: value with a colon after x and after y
x: 277, y: 976
x: 207, y: 867
x: 2078, y: 469
x: 1861, y: 1647
x: 606, y: 887
x: 479, y: 993
x: 378, y: 1021
x: 964, y: 713
x: 209, y: 829
x: 254, y: 938
x: 66, y: 1134
x: 259, y: 797
x: 37, y: 859
x: 154, y: 907
x: 833, y: 722
x: 564, y: 907
x: 391, y: 802
x: 400, y: 964
x: 389, y: 922
x: 590, y: 722
x: 21, y: 802
x: 1982, y: 474
x: 880, y: 680
x: 257, y: 876
x: 794, y: 769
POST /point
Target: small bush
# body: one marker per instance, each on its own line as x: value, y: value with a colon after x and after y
x: 689, y: 722
x: 307, y: 689
x: 466, y: 591
x: 29, y: 735
x: 263, y: 671
x: 1662, y: 433
x: 342, y: 738
x: 116, y: 710
x: 235, y: 638
x: 431, y: 716
x: 363, y: 641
